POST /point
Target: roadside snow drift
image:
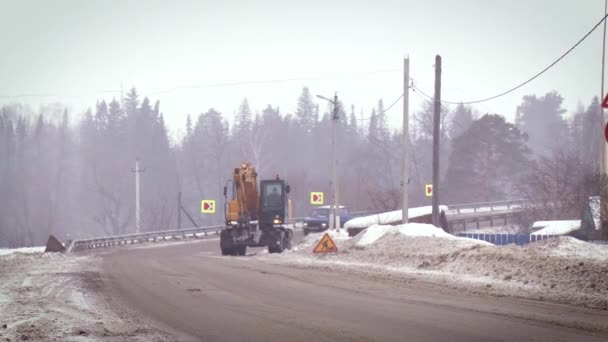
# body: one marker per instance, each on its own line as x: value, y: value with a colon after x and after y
x: 55, y: 297
x: 23, y: 250
x: 561, y: 227
x: 562, y: 269
x: 375, y: 232
x: 390, y: 217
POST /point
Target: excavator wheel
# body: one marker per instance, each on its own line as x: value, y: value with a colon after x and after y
x: 288, y: 238
x: 274, y: 248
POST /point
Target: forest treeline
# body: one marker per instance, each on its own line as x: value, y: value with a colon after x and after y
x: 70, y: 174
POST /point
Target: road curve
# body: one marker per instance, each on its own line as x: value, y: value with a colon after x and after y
x: 192, y: 292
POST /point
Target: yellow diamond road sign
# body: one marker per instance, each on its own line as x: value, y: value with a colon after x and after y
x: 316, y: 198
x: 208, y: 206
x: 428, y: 190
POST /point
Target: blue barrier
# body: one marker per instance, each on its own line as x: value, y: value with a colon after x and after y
x: 507, y: 239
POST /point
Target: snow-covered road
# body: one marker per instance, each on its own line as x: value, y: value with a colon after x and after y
x: 563, y: 269
x: 56, y: 297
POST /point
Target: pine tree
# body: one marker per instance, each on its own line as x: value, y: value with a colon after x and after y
x: 486, y: 161
x: 541, y: 118
x: 131, y: 102
x: 242, y: 122
x: 188, y: 128
x: 462, y: 119
x: 307, y: 112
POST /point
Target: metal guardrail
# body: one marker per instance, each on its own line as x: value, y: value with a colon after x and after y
x: 117, y: 240
x: 109, y: 241
x: 485, y: 206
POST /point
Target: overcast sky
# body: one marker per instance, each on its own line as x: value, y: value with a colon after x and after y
x: 76, y: 52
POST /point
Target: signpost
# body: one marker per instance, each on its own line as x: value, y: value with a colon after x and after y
x: 428, y: 190
x: 316, y: 198
x: 208, y: 206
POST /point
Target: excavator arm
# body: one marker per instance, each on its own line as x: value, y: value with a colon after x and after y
x: 243, y: 207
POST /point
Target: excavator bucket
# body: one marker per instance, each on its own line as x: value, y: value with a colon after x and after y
x: 53, y: 245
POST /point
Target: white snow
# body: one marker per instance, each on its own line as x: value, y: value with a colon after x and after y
x: 24, y: 250
x: 391, y: 217
x: 339, y: 233
x: 421, y: 229
x: 594, y: 205
x: 375, y: 232
x: 371, y: 234
x: 561, y: 269
x: 561, y: 227
x: 55, y: 297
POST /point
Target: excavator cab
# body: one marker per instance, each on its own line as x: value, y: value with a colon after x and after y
x: 273, y: 202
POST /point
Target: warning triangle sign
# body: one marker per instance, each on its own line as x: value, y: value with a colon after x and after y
x: 605, y: 102
x: 326, y: 245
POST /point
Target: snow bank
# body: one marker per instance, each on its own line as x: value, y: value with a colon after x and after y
x: 308, y: 243
x: 371, y: 234
x: 339, y: 233
x: 375, y: 232
x: 56, y: 297
x: 594, y: 205
x: 561, y: 227
x: 390, y: 217
x: 571, y: 248
x: 24, y: 250
x: 561, y: 269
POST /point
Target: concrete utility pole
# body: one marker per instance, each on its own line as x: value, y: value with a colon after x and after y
x: 137, y: 171
x: 436, y: 122
x: 334, y: 125
x: 179, y: 210
x: 334, y: 220
x: 406, y: 140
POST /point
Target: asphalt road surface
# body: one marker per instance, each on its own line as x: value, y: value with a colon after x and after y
x: 192, y: 292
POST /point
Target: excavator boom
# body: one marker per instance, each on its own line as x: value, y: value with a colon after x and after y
x: 244, y: 207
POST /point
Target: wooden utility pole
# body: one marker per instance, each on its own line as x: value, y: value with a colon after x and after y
x: 406, y: 140
x: 436, y: 122
x: 603, y: 204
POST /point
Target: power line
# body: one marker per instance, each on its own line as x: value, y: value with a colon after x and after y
x: 528, y: 80
x: 384, y: 111
x: 212, y: 85
x: 239, y: 83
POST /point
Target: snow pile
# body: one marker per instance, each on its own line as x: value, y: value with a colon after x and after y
x: 375, y: 232
x: 561, y: 269
x: 56, y: 297
x: 339, y: 233
x: 569, y: 247
x: 391, y: 217
x: 308, y: 243
x: 23, y: 250
x: 371, y: 234
x: 561, y: 227
x: 594, y: 205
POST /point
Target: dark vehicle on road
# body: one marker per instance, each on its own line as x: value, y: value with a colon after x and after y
x: 318, y: 220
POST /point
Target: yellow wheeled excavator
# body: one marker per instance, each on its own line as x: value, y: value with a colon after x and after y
x: 255, y: 216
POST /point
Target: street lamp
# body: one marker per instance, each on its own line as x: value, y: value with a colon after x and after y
x: 333, y: 217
